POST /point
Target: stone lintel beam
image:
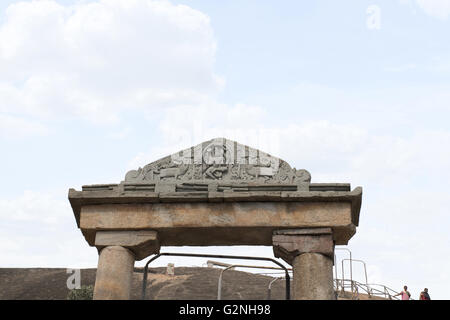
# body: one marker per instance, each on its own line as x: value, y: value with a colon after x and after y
x: 200, y: 224
x: 114, y: 194
x: 287, y: 244
x: 142, y: 243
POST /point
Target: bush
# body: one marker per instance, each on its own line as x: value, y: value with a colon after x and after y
x: 84, y: 293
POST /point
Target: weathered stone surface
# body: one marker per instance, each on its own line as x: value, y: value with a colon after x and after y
x: 288, y: 244
x: 313, y: 277
x: 241, y: 223
x: 310, y: 252
x: 114, y: 274
x: 142, y: 243
x: 219, y: 160
x: 216, y: 193
x: 78, y: 199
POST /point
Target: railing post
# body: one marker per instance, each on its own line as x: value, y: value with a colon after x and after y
x: 269, y: 289
x: 219, y: 285
x: 351, y: 264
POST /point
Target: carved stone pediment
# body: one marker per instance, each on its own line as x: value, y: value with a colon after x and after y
x: 222, y: 164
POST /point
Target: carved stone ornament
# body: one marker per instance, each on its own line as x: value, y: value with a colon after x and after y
x: 219, y: 161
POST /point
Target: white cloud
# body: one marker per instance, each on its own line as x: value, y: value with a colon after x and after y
x: 18, y: 127
x: 401, y: 215
x: 38, y: 229
x: 94, y: 60
x: 436, y: 8
x: 34, y: 206
x: 331, y: 151
x: 402, y: 210
x: 99, y: 59
x: 435, y: 65
x: 401, y: 68
x: 188, y: 125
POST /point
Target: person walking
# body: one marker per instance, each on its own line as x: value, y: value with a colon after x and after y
x: 405, y: 294
x: 424, y: 295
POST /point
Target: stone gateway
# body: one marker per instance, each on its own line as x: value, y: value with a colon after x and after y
x: 217, y: 193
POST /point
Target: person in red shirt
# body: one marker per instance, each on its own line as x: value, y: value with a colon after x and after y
x: 424, y: 295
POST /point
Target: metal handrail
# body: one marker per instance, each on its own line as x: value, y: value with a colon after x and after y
x: 217, y: 263
x: 386, y: 290
x: 219, y: 285
x: 368, y: 288
x: 351, y: 261
x: 144, y: 281
x: 222, y: 264
x: 355, y: 286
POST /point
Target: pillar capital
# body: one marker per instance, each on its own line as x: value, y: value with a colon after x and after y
x: 287, y: 244
x: 141, y: 243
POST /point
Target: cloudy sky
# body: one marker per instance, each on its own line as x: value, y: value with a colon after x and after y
x: 354, y: 92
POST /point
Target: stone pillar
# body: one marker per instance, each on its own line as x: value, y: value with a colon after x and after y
x: 313, y: 277
x: 311, y: 254
x: 118, y: 251
x: 114, y: 274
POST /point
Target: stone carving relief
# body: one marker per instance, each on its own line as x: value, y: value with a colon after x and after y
x: 220, y: 160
